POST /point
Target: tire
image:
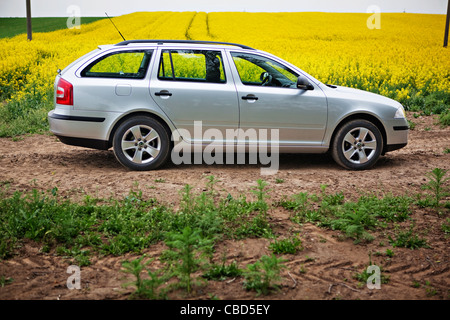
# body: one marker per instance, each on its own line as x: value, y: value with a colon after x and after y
x: 141, y: 143
x: 357, y: 145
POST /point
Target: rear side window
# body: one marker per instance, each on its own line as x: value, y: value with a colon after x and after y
x: 125, y: 64
x: 192, y: 65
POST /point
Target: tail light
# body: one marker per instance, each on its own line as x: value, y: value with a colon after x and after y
x: 64, y: 92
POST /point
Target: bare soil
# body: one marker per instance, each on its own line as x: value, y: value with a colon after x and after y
x: 323, y: 270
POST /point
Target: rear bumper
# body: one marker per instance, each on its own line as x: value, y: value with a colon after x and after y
x: 85, y: 129
x: 89, y: 130
x: 86, y: 143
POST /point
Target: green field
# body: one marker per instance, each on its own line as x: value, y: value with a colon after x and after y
x: 10, y: 27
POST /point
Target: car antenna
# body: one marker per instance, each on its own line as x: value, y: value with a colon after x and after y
x: 115, y: 27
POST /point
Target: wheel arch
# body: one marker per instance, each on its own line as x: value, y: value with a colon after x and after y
x: 139, y: 113
x: 362, y: 116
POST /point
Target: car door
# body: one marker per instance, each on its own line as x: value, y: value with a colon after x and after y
x: 194, y: 89
x: 269, y: 99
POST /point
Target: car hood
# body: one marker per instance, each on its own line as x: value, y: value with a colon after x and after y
x: 357, y: 94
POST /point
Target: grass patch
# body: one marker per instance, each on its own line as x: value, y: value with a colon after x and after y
x: 118, y: 226
x: 26, y: 116
x: 408, y: 239
x: 355, y: 219
x: 286, y: 246
x: 437, y: 102
x: 10, y: 27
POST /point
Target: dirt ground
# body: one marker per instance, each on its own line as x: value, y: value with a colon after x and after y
x: 323, y: 270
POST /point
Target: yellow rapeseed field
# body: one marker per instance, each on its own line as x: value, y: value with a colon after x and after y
x: 404, y: 57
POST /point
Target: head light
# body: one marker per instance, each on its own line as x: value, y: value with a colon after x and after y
x: 400, y: 113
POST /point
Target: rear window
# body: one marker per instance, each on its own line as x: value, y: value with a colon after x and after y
x: 124, y: 64
x: 192, y: 65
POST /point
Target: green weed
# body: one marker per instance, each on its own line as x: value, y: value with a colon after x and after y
x: 407, y: 239
x: 436, y: 184
x: 365, y: 275
x: 286, y: 246
x: 264, y: 275
x: 5, y: 281
x: 222, y: 271
x: 184, y: 254
x: 148, y: 287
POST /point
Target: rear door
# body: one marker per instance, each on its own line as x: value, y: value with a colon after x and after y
x: 195, y: 87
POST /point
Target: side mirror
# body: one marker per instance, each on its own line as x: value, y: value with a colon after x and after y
x: 304, y: 84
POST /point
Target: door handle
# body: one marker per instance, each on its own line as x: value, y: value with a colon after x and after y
x: 163, y: 93
x: 250, y: 97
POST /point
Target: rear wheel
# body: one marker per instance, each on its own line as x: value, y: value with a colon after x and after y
x: 141, y: 143
x: 357, y: 145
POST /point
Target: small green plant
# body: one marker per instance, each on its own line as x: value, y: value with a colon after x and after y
x: 430, y: 290
x: 80, y: 256
x: 364, y: 275
x: 436, y: 184
x: 407, y: 239
x: 264, y: 275
x: 5, y: 281
x: 415, y: 284
x: 210, y: 185
x: 184, y: 254
x: 286, y: 246
x: 187, y: 199
x: 145, y: 287
x: 279, y: 180
x: 262, y: 194
x: 389, y: 253
x: 222, y: 271
x: 446, y: 226
x: 444, y: 118
x: 354, y: 224
x: 447, y: 150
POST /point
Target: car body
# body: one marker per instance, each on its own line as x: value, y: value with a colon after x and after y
x: 134, y: 95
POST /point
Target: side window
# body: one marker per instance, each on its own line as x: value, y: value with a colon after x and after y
x: 128, y: 64
x: 191, y: 65
x: 255, y: 70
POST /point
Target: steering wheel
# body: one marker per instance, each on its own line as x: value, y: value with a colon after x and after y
x: 266, y: 78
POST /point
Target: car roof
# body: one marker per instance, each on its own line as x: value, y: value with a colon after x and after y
x: 184, y: 42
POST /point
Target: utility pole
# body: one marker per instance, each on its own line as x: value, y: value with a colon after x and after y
x: 446, y: 25
x: 29, y: 32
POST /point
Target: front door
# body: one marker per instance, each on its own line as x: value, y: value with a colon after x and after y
x: 269, y: 99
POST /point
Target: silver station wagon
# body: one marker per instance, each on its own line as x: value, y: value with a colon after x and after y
x: 135, y: 95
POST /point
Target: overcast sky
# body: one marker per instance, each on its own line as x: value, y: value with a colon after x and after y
x: 58, y: 8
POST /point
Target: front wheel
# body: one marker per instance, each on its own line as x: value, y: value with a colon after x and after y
x: 141, y: 143
x: 357, y: 145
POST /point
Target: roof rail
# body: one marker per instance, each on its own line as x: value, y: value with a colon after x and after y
x: 124, y: 43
